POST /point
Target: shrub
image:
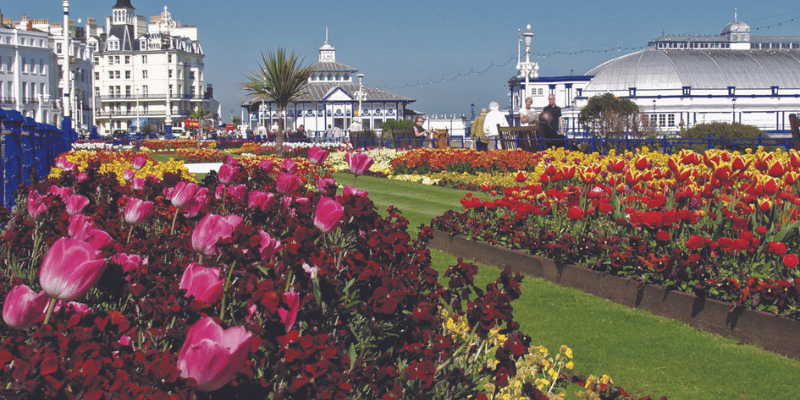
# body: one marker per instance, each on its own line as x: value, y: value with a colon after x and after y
x: 724, y: 135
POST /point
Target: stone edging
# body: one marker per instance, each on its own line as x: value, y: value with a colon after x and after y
x: 770, y: 332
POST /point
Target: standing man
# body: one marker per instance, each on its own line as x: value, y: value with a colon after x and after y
x: 554, y: 111
x: 329, y: 134
x: 476, y: 131
x: 493, y: 119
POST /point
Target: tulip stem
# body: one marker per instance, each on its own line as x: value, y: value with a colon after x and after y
x: 50, y: 310
x: 225, y: 290
x: 172, y: 230
x: 130, y: 232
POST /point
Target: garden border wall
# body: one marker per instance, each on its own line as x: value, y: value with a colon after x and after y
x: 770, y: 332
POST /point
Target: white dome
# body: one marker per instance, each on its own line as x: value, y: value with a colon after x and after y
x: 735, y: 27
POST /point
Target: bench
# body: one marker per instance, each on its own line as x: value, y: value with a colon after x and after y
x: 523, y: 137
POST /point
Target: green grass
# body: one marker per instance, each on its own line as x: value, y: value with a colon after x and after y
x: 646, y: 354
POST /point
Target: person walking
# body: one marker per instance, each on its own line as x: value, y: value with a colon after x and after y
x: 476, y: 131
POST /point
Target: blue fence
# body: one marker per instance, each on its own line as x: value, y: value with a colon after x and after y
x: 28, y: 148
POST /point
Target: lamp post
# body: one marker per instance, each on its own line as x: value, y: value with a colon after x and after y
x: 262, y: 108
x: 527, y: 69
x: 733, y: 108
x: 66, y: 125
x: 360, y: 96
x: 654, y: 119
x: 166, y: 25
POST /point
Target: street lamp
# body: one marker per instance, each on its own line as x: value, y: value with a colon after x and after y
x: 360, y: 96
x: 733, y: 106
x: 66, y: 125
x: 165, y: 26
x: 527, y: 68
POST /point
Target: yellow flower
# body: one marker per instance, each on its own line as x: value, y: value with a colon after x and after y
x: 569, y: 365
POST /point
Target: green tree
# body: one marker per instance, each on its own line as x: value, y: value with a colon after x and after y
x: 280, y: 78
x: 719, y: 130
x: 236, y: 121
x: 391, y: 125
x: 608, y: 116
x: 200, y: 114
x: 147, y: 129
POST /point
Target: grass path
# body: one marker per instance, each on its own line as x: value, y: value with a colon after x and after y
x: 646, y: 354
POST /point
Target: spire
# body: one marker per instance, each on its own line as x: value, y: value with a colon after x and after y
x: 735, y: 15
x: 326, y: 35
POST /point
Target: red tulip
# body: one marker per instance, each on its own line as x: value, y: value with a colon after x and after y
x: 202, y: 283
x: 616, y: 165
x: 288, y: 317
x: 138, y: 211
x: 268, y: 246
x: 212, y: 229
x: 211, y: 356
x: 485, y: 186
x: 35, y: 204
x: 521, y: 177
x: 794, y: 159
x: 70, y: 268
x: 789, y: 261
x: 764, y: 204
x: 575, y: 213
x: 139, y: 162
x: 328, y: 214
x: 317, y: 156
x: 568, y: 172
x: 762, y: 161
x: 23, y: 306
x: 227, y: 173
x: 641, y: 162
x: 791, y: 177
x: 359, y: 163
x: 287, y: 183
x: 776, y: 169
x: 771, y: 186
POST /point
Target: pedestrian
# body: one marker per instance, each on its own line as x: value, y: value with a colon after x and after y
x: 493, y: 118
x: 476, y: 131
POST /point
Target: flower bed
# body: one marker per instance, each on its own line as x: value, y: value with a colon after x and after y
x: 249, y: 286
x: 719, y: 224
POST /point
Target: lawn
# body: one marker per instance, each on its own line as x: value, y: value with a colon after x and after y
x: 647, y: 355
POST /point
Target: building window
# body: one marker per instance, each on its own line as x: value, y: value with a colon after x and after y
x: 24, y: 65
x: 191, y: 75
x: 170, y: 74
x: 144, y: 90
x: 687, y: 90
x: 774, y: 90
x: 127, y: 91
x: 97, y: 91
x: 58, y: 48
x: 97, y: 76
x: 731, y: 90
x: 169, y: 58
x: 117, y: 75
x: 2, y: 68
x: 110, y: 74
x: 170, y: 90
x: 662, y: 120
x: 144, y: 74
x: 632, y: 92
x: 144, y: 59
x: 670, y: 119
x: 127, y: 74
x: 127, y: 59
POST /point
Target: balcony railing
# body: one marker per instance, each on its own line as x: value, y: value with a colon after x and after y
x: 143, y: 97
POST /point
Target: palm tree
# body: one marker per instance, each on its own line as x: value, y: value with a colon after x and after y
x: 200, y: 114
x: 280, y: 78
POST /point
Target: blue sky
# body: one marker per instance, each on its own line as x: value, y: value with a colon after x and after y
x: 445, y: 54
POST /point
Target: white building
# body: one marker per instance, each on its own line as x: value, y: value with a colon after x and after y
x: 331, y: 98
x: 138, y: 64
x: 27, y: 72
x: 728, y: 77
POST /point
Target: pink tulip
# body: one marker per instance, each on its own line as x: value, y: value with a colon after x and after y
x: 289, y: 166
x: 359, y: 163
x: 211, y: 355
x: 227, y: 173
x: 69, y: 166
x: 128, y: 262
x: 139, y: 162
x: 303, y: 204
x: 198, y: 205
x: 23, y: 306
x: 63, y: 192
x: 351, y: 191
x: 326, y: 186
x: 70, y: 268
x: 288, y: 317
x: 138, y: 183
x: 268, y: 246
x: 82, y: 176
x: 74, y: 306
x: 138, y: 211
x: 259, y: 199
x: 287, y: 183
x: 266, y: 165
x: 312, y: 271
x: 202, y: 283
x: 60, y: 162
x: 230, y: 160
x: 35, y: 204
x: 80, y: 227
x: 212, y: 229
x: 184, y: 195
x: 328, y: 214
x: 237, y: 191
x: 76, y: 203
x: 128, y: 174
x: 317, y: 156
